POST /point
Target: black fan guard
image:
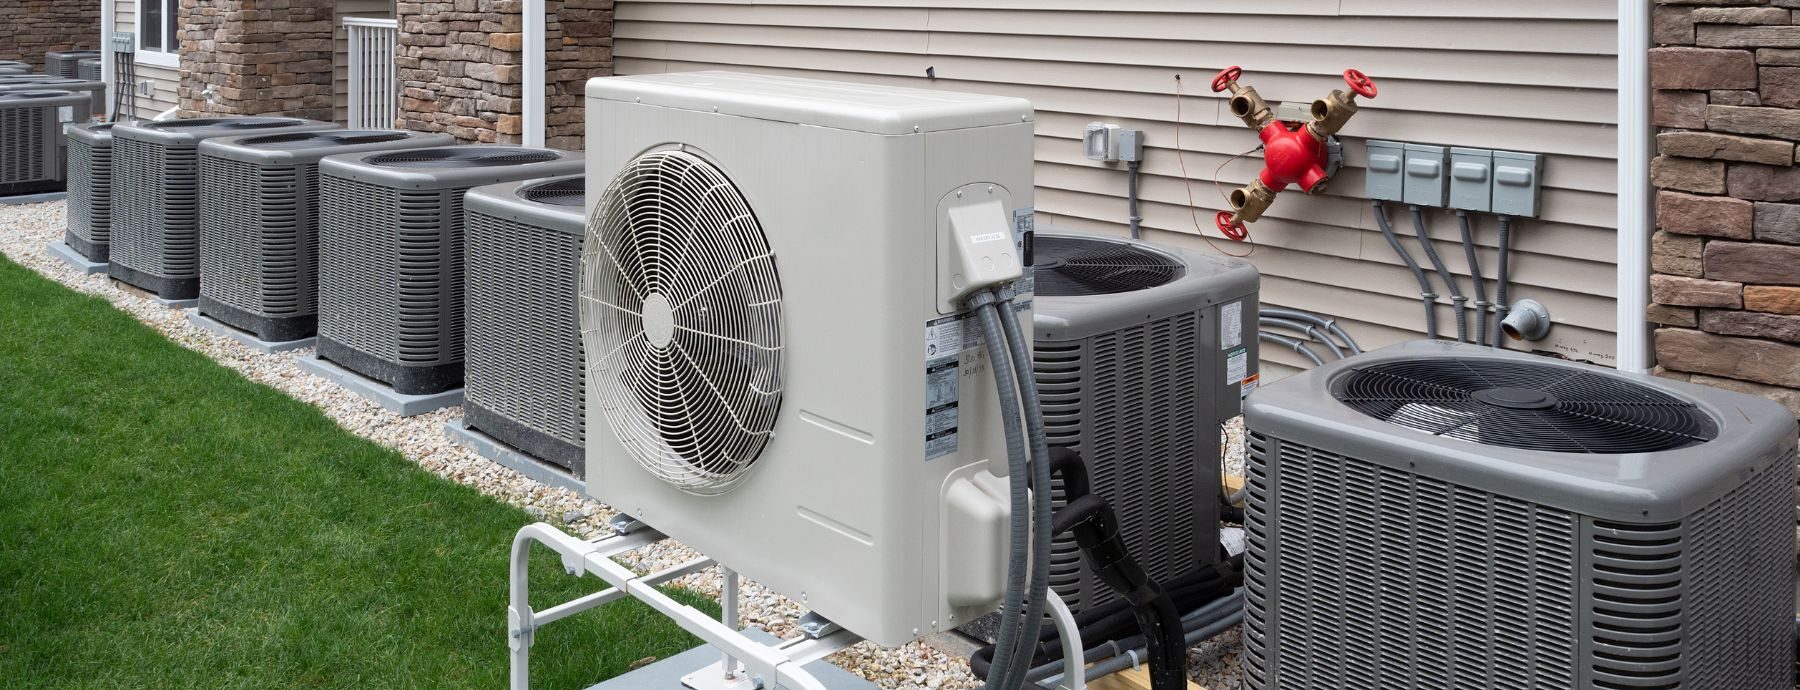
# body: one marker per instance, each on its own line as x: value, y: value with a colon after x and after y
x: 565, y: 192
x: 313, y: 140
x: 1524, y: 405
x: 1076, y: 266
x: 227, y: 123
x: 463, y: 157
x: 32, y: 95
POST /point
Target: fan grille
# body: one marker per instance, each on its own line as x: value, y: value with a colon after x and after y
x: 1524, y: 405
x: 227, y: 123
x: 569, y: 192
x: 309, y: 140
x: 1074, y: 266
x: 681, y: 319
x: 462, y: 157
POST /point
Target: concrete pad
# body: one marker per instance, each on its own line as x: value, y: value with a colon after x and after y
x: 176, y: 304
x: 378, y: 392
x: 33, y: 198
x: 666, y: 674
x: 62, y: 250
x: 493, y: 449
x: 245, y: 337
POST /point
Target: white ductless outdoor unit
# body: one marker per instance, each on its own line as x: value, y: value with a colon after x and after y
x: 780, y: 372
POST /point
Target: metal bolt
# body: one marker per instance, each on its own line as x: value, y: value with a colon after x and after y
x: 990, y: 189
x: 959, y: 194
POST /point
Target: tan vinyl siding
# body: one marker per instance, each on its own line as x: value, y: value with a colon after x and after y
x: 1525, y: 75
x: 340, y: 70
x: 166, y: 79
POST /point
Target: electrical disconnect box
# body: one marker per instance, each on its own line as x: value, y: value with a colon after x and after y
x: 1518, y: 183
x: 1131, y: 145
x: 1386, y: 178
x: 1426, y: 183
x: 1100, y: 142
x: 1471, y: 179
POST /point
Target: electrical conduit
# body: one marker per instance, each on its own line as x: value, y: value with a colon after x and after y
x: 1437, y: 263
x: 1425, y: 293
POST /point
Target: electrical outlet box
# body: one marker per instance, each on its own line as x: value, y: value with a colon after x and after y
x: 1518, y: 183
x: 1386, y: 177
x: 1471, y: 179
x: 1426, y: 181
x: 1100, y: 142
x: 1131, y: 145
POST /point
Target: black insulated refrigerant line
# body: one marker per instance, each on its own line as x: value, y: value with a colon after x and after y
x: 1425, y: 293
x: 1456, y: 296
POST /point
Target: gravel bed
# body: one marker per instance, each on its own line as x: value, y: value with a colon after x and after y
x: 25, y: 228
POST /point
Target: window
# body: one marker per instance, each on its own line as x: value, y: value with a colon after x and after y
x: 158, y: 30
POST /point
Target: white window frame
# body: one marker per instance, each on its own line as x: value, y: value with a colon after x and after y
x: 170, y: 55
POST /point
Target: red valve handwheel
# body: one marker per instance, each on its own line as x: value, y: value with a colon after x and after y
x: 1236, y: 232
x: 1360, y: 83
x: 1223, y: 79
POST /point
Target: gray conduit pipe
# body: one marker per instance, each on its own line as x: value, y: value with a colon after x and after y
x: 1227, y: 609
x: 1303, y: 327
x: 1042, y: 511
x: 1481, y: 303
x: 1456, y: 296
x: 1004, y: 675
x: 1425, y: 293
x: 1291, y: 344
x: 1131, y: 199
x: 1500, y: 303
x: 1330, y: 325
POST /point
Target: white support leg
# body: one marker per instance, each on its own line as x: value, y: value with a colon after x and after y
x: 1074, y: 676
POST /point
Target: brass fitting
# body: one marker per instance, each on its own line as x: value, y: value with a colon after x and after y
x: 1251, y: 200
x: 1249, y: 106
x: 1331, y: 113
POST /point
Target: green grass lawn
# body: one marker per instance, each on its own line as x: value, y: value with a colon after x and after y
x: 165, y: 523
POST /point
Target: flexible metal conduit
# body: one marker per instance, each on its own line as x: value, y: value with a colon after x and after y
x: 1307, y: 328
x: 1481, y: 303
x: 1291, y: 344
x: 1500, y: 303
x: 1330, y: 325
x: 1456, y: 296
x: 1425, y: 293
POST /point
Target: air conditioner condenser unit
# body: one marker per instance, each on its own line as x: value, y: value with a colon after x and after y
x: 259, y: 223
x: 88, y: 68
x: 524, y: 380
x: 1141, y: 351
x: 156, y: 197
x: 94, y: 90
x: 1440, y: 515
x: 391, y: 256
x: 30, y: 133
x: 780, y: 372
x: 67, y: 63
x: 90, y: 190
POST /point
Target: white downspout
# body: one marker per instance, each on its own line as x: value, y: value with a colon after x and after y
x: 532, y: 123
x: 107, y: 28
x: 1635, y: 218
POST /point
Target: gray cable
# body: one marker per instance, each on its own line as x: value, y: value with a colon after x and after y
x: 1131, y: 198
x: 1456, y: 296
x: 1330, y: 325
x: 1041, y: 509
x: 1003, y: 675
x: 1481, y: 303
x: 1425, y: 293
x: 1500, y: 303
x: 1291, y: 344
x: 1307, y: 328
x: 1203, y: 623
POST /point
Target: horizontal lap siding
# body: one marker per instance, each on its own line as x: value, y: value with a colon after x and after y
x: 165, y: 78
x: 1528, y: 75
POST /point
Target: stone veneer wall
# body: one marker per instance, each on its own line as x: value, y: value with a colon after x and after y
x: 1726, y: 254
x: 461, y: 67
x: 261, y: 57
x: 30, y: 28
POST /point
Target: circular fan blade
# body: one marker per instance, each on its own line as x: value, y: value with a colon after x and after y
x: 1071, y: 266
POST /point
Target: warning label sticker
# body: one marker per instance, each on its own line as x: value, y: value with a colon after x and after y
x: 1249, y: 384
x: 941, y: 413
x: 1237, y: 365
x: 947, y: 337
x: 1231, y: 327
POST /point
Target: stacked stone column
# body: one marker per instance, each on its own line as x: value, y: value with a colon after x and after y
x: 30, y: 28
x: 256, y: 57
x: 1726, y: 254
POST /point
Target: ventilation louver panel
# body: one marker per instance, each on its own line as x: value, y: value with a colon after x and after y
x: 525, y: 382
x: 1070, y: 266
x: 23, y: 138
x: 451, y: 158
x: 1521, y: 405
x: 88, y: 68
x: 90, y: 191
x: 688, y: 315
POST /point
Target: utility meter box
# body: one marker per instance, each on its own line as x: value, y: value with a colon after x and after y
x: 1518, y: 183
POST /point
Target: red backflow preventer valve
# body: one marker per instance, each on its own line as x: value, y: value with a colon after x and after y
x: 1293, y: 153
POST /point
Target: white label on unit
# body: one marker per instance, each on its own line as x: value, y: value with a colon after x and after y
x: 65, y: 114
x: 1231, y: 328
x: 987, y: 237
x: 1237, y: 365
x: 941, y: 413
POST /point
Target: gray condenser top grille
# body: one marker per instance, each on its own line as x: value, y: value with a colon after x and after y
x: 1133, y: 374
x: 391, y: 243
x: 525, y: 363
x: 1382, y: 555
x: 259, y: 205
x: 94, y: 91
x: 90, y: 189
x: 30, y: 129
x: 156, y: 200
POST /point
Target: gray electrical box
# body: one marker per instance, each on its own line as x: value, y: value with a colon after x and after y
x: 1131, y: 145
x: 1518, y: 183
x: 1386, y: 175
x: 1426, y: 182
x: 1471, y: 179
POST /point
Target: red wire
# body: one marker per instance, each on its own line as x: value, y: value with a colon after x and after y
x: 1193, y: 212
